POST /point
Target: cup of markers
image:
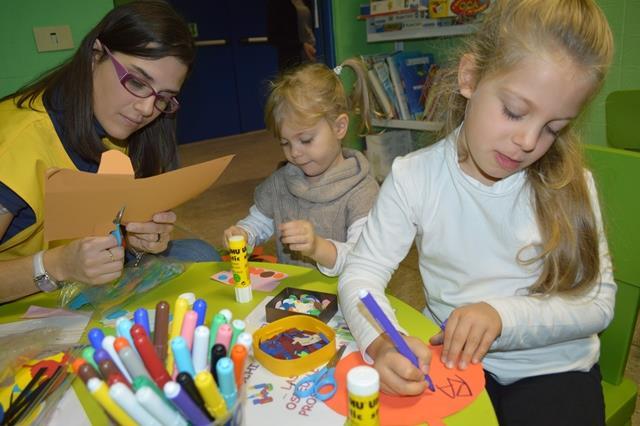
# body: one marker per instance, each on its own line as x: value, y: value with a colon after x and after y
x: 183, y: 372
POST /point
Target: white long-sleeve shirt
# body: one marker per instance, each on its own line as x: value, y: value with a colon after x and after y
x: 468, y: 236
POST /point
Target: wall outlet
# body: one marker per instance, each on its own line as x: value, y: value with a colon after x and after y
x: 53, y: 38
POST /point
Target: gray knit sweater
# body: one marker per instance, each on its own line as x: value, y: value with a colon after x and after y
x: 343, y: 195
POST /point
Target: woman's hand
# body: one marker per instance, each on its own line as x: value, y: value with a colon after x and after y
x: 300, y: 236
x: 398, y: 376
x: 151, y: 237
x: 92, y: 260
x: 233, y: 231
x: 470, y: 332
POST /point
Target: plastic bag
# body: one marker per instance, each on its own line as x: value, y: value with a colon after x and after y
x: 109, y: 299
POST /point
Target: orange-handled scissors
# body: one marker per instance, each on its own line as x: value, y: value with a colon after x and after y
x: 322, y: 384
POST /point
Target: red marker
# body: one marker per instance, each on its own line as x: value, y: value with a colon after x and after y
x: 155, y: 367
x: 117, y: 378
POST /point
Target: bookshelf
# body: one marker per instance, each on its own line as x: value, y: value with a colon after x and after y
x: 420, y: 33
x: 429, y: 126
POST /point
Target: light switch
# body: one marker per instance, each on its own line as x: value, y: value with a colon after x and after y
x: 53, y: 38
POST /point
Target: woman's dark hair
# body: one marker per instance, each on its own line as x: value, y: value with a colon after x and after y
x: 148, y: 29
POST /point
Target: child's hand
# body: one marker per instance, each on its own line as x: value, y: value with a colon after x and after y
x: 469, y: 333
x: 398, y: 376
x: 232, y: 231
x: 300, y: 236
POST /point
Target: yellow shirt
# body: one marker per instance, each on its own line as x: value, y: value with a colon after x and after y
x: 29, y: 145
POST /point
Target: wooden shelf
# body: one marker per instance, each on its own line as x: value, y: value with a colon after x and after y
x: 443, y: 31
x: 430, y: 126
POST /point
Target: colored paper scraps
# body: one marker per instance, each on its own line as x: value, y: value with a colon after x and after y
x: 262, y: 279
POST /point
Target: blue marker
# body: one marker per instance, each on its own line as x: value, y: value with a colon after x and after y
x: 226, y: 381
x: 95, y: 337
x: 123, y: 329
x: 400, y: 344
x: 141, y: 316
x: 182, y: 355
x: 200, y: 307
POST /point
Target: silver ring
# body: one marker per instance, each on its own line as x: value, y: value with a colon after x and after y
x: 111, y: 254
x: 158, y: 239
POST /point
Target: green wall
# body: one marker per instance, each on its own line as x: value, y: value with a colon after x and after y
x: 623, y: 16
x: 21, y: 62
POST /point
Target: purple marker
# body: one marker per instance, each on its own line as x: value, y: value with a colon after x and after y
x: 200, y: 307
x: 101, y: 355
x: 141, y: 316
x: 174, y: 392
x: 95, y: 337
x: 395, y: 336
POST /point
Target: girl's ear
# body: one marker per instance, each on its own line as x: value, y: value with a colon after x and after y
x: 97, y: 52
x: 467, y: 75
x: 341, y: 125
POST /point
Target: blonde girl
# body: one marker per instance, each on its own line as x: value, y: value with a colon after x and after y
x: 318, y: 202
x: 505, y: 219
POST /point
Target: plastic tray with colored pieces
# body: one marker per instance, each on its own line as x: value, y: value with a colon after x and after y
x: 293, y: 301
x: 270, y: 344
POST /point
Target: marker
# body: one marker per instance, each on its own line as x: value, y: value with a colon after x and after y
x: 123, y: 396
x: 189, y: 297
x: 142, y: 382
x: 99, y: 390
x: 246, y: 340
x: 188, y: 326
x: 189, y: 386
x: 200, y: 351
x: 200, y: 307
x: 161, y: 329
x: 108, y: 368
x: 158, y: 408
x: 224, y: 335
x: 123, y: 328
x: 100, y: 355
x: 213, y: 401
x: 87, y: 354
x: 149, y: 357
x: 117, y: 378
x: 226, y: 313
x: 237, y: 326
x: 107, y: 345
x: 217, y: 320
x: 182, y: 355
x: 182, y: 305
x: 226, y: 381
x: 130, y: 358
x: 95, y: 337
x: 85, y: 370
x: 217, y: 352
x: 185, y: 405
x: 239, y: 357
x: 400, y: 344
x: 141, y: 316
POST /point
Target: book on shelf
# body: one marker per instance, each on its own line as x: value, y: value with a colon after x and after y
x: 380, y: 95
x: 413, y: 68
x: 398, y: 87
x: 377, y: 63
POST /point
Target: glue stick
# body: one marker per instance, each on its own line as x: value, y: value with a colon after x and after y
x: 240, y: 268
x: 363, y: 385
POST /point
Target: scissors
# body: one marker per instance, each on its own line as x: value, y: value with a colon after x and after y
x: 116, y: 221
x: 324, y: 378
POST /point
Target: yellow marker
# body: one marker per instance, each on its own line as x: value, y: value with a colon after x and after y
x: 100, y: 392
x: 181, y: 307
x: 363, y: 384
x: 213, y: 401
x: 240, y: 268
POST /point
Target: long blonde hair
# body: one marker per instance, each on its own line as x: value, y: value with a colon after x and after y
x: 311, y: 92
x: 511, y: 31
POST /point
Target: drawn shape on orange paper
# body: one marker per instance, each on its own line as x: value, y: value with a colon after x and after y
x: 455, y: 389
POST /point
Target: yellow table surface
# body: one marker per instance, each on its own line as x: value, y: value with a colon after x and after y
x: 196, y: 279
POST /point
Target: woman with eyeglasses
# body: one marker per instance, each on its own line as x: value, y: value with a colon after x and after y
x: 118, y: 91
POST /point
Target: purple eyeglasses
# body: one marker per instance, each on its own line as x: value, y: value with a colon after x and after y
x: 141, y: 89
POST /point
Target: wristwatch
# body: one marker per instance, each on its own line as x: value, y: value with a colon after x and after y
x: 40, y: 276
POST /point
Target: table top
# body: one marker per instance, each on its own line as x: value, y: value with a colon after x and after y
x: 196, y: 279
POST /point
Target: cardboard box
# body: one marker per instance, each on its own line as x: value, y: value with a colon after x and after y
x: 383, y: 148
x: 326, y: 314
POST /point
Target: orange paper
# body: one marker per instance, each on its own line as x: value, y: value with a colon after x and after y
x: 455, y: 389
x: 81, y: 204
